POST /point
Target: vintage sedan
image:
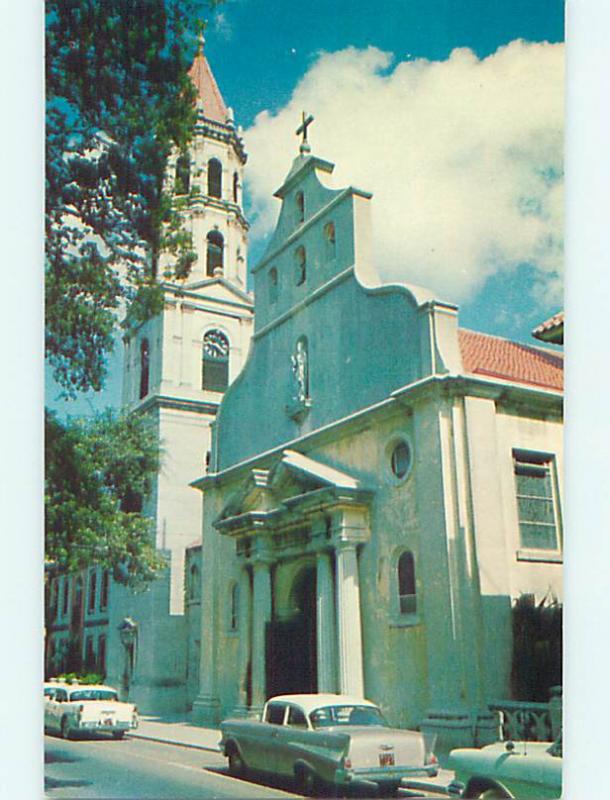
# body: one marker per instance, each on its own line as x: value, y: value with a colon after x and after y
x: 327, y: 740
x: 505, y: 770
x: 73, y: 708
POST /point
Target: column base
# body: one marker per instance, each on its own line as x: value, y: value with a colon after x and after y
x: 460, y: 728
x: 206, y: 710
x: 247, y: 712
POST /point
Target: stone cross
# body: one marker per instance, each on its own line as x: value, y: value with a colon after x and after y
x: 307, y: 119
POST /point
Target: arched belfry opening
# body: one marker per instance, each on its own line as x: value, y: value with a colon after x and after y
x: 291, y: 657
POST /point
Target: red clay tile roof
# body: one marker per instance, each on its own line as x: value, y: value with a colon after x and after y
x: 213, y: 105
x: 492, y: 357
x: 551, y: 330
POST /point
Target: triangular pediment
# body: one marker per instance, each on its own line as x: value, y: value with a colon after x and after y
x: 215, y: 289
x: 293, y: 475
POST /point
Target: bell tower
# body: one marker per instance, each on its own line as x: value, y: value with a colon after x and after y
x: 206, y: 182
x: 176, y: 369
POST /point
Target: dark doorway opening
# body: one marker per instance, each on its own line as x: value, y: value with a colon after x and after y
x: 291, y: 652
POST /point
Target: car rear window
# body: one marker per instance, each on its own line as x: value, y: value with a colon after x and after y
x: 329, y: 716
x: 93, y: 694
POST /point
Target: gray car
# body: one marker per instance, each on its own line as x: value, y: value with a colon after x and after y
x: 327, y: 740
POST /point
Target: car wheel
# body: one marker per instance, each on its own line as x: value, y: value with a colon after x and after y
x: 486, y: 793
x: 65, y: 728
x: 307, y: 782
x: 118, y: 734
x: 237, y: 766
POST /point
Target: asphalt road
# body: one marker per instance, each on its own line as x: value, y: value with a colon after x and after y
x: 139, y: 769
x: 142, y: 770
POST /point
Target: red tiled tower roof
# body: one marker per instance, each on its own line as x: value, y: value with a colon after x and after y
x: 493, y: 357
x: 214, y: 107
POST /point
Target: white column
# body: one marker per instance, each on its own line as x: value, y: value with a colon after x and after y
x: 244, y: 627
x: 351, y: 680
x: 325, y: 624
x: 261, y: 614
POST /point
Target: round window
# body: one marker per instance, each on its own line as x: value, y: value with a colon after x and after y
x: 400, y: 459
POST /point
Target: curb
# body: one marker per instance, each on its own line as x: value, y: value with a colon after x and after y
x: 176, y: 742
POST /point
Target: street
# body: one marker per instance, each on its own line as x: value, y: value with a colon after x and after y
x: 142, y: 770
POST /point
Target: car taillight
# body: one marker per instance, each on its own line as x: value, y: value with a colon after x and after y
x: 347, y: 763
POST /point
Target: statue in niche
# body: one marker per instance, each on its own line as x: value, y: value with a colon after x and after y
x: 300, y: 371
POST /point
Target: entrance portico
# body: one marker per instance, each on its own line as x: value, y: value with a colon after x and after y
x: 297, y: 528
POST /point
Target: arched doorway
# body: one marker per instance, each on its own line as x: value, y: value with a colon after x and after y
x: 291, y: 657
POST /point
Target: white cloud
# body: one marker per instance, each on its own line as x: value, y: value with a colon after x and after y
x: 464, y: 157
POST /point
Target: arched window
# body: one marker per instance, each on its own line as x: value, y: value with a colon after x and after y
x: 235, y: 187
x: 272, y: 285
x: 234, y: 608
x: 215, y: 362
x: 299, y: 200
x: 407, y: 595
x: 214, y: 178
x: 330, y: 240
x: 300, y: 265
x: 144, y: 367
x: 214, y: 252
x: 182, y: 184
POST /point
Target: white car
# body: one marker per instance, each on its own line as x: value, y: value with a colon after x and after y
x: 507, y: 770
x: 73, y: 708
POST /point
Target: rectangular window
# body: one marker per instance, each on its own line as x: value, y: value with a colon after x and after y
x: 92, y: 589
x: 104, y: 591
x: 66, y: 596
x: 535, y: 481
x: 89, y: 653
x: 101, y: 655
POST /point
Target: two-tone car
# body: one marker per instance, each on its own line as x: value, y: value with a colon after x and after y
x: 327, y: 740
x: 507, y: 771
x: 72, y: 708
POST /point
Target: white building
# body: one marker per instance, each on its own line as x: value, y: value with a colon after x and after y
x: 176, y: 369
x: 383, y: 486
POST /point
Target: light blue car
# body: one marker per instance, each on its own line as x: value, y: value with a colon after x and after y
x: 507, y: 771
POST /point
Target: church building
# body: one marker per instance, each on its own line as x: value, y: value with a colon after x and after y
x: 383, y: 486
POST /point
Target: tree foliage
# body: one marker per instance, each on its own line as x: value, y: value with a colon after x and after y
x: 118, y: 99
x: 98, y: 471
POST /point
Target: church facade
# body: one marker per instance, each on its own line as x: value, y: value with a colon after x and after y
x: 383, y: 485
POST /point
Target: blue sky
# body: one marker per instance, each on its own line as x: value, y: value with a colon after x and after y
x: 401, y: 52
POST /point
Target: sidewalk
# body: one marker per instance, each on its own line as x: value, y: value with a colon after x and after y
x: 177, y: 730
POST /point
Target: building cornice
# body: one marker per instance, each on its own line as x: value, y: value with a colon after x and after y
x: 177, y: 404
x: 545, y: 402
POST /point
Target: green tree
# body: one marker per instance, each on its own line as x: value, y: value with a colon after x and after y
x: 98, y: 471
x: 118, y: 98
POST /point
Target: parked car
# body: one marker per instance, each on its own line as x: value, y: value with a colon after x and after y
x: 74, y: 708
x: 326, y: 740
x: 518, y: 770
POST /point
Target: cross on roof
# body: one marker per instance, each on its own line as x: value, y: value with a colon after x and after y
x: 201, y: 25
x: 307, y: 119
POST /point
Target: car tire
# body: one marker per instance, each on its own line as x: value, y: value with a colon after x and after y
x: 307, y: 781
x: 118, y: 734
x: 478, y: 792
x: 66, y: 733
x: 237, y: 766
